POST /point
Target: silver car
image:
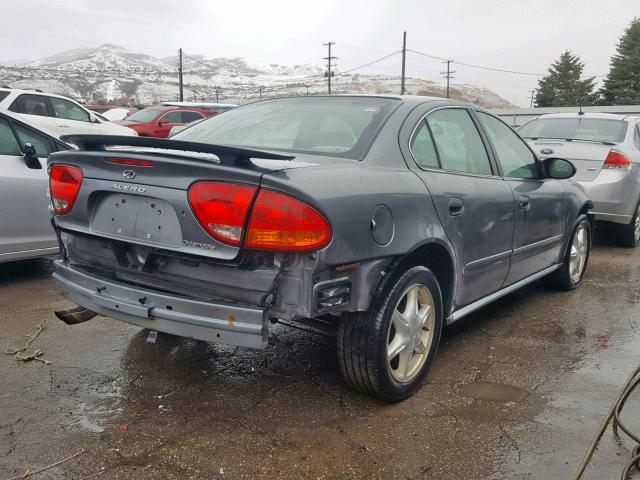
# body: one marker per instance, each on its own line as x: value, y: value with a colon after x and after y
x: 25, y: 222
x: 605, y: 149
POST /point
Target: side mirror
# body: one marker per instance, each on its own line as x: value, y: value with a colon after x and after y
x: 93, y: 118
x: 162, y: 121
x: 559, y: 168
x: 31, y: 157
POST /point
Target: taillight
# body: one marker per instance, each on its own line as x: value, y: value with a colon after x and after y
x: 222, y: 208
x: 280, y: 222
x: 617, y: 159
x: 64, y: 185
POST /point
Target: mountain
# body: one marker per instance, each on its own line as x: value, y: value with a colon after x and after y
x: 112, y: 73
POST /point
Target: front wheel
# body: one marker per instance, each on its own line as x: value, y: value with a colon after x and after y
x: 574, y: 263
x: 387, y: 351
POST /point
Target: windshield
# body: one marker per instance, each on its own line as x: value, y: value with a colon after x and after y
x: 593, y: 129
x: 334, y: 126
x: 145, y: 115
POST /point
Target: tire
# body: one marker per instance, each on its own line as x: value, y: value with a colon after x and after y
x: 364, y: 337
x: 567, y: 277
x: 629, y: 235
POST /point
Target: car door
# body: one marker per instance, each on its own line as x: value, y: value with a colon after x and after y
x: 72, y: 118
x: 474, y: 205
x: 540, y: 203
x: 24, y: 217
x: 35, y: 109
x: 167, y: 121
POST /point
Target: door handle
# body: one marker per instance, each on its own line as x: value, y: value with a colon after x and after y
x: 524, y: 202
x: 456, y: 206
x: 63, y: 125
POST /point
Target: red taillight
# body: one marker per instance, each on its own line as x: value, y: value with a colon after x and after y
x: 64, y: 185
x: 280, y: 222
x: 617, y: 159
x: 222, y: 208
x: 130, y: 161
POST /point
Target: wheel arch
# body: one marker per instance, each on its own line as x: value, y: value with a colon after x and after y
x: 437, y: 257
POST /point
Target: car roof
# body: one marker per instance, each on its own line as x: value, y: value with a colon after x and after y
x: 36, y: 92
x: 604, y: 116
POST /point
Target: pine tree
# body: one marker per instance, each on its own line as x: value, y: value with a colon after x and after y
x: 563, y: 86
x: 622, y: 85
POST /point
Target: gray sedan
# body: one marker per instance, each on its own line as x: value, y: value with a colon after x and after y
x: 385, y: 218
x: 605, y: 149
x: 25, y: 223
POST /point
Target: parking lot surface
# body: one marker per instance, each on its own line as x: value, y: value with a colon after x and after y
x: 516, y: 391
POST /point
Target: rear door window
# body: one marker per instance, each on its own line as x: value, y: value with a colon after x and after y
x: 31, y: 105
x: 8, y: 142
x: 3, y: 95
x: 458, y: 141
x: 188, y: 117
x: 423, y: 148
x: 69, y: 111
x: 513, y: 154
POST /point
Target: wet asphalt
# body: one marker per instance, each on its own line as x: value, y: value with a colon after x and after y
x: 516, y: 392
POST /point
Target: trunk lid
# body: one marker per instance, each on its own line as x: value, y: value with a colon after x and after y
x: 587, y: 157
x: 148, y: 205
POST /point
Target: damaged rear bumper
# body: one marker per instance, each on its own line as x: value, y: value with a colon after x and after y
x: 216, y: 322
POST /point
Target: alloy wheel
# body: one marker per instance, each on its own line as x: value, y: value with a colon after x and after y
x: 578, y: 254
x: 411, y: 333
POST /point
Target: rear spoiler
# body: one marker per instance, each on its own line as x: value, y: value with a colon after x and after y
x: 226, y: 154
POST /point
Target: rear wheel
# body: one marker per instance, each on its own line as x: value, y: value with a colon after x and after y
x: 574, y: 264
x: 387, y: 351
x: 629, y: 235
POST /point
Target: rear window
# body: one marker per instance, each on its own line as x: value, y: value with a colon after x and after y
x: 3, y: 95
x: 595, y: 129
x: 145, y: 115
x: 334, y: 126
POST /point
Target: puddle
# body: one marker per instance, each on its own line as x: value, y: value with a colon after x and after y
x: 494, y: 392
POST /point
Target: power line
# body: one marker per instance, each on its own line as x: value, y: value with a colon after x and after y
x: 371, y: 63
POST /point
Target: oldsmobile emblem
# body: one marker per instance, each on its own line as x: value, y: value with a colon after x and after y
x: 129, y: 174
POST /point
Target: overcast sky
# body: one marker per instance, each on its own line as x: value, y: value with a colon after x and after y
x: 521, y: 35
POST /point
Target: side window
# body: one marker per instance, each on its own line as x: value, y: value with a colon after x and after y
x: 458, y: 142
x: 422, y: 147
x: 636, y: 137
x: 3, y: 95
x: 30, y: 105
x: 68, y: 110
x: 8, y: 142
x: 173, y: 117
x: 40, y: 142
x: 188, y: 117
x: 513, y: 154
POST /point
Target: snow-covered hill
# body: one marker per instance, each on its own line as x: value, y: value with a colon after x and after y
x: 115, y: 74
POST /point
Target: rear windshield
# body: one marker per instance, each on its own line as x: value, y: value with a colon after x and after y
x: 145, y: 115
x: 594, y: 129
x: 334, y: 126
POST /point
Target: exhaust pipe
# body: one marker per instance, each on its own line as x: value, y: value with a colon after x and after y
x: 75, y: 315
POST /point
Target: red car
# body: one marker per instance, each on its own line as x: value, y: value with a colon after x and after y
x: 158, y: 121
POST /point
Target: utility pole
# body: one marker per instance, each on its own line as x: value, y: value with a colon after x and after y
x: 404, y: 56
x: 180, y: 74
x: 217, y: 95
x: 260, y: 92
x: 307, y: 87
x: 448, y: 74
x: 533, y: 93
x: 330, y: 64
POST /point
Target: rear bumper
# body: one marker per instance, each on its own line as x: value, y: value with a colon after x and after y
x: 215, y: 322
x: 614, y: 194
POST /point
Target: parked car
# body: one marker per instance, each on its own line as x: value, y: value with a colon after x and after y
x: 605, y: 149
x: 56, y: 113
x: 158, y: 121
x: 212, y: 108
x: 383, y: 217
x: 25, y: 222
